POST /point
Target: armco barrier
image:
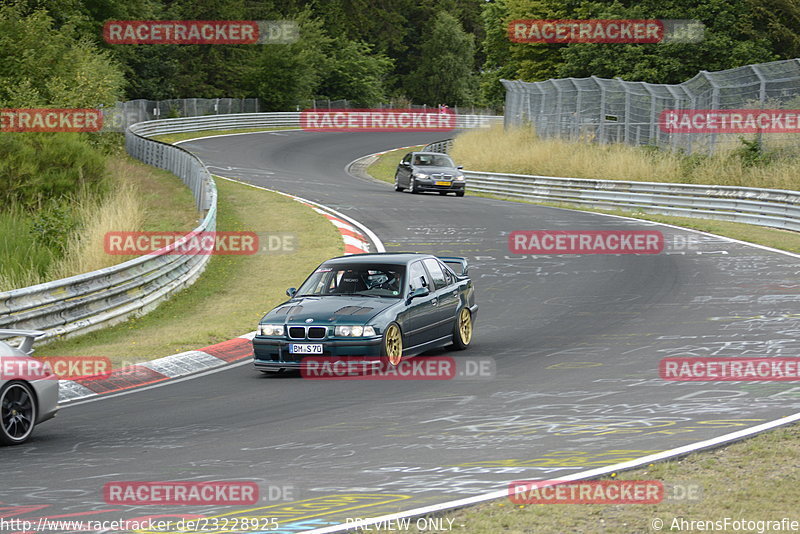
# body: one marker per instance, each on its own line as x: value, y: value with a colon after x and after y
x: 90, y: 301
x: 776, y: 208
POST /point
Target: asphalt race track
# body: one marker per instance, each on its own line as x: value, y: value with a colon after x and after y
x: 576, y: 341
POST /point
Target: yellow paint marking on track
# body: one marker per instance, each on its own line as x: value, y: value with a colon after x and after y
x: 574, y: 365
x: 567, y: 459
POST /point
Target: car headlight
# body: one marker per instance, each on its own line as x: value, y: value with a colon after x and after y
x: 460, y: 177
x: 354, y: 331
x: 270, y: 330
x: 421, y: 175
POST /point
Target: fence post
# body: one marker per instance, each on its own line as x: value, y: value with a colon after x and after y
x: 602, y: 128
x: 762, y: 98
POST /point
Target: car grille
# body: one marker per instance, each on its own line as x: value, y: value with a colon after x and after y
x: 297, y: 332
x: 441, y: 176
x: 307, y: 332
x: 316, y: 332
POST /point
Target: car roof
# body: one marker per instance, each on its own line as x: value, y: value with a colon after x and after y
x: 432, y: 153
x: 396, y: 258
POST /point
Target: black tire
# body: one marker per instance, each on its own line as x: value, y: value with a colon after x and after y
x: 462, y: 339
x: 413, y: 186
x: 459, y: 193
x: 18, y: 412
x: 442, y: 192
x: 397, y: 183
x: 280, y: 373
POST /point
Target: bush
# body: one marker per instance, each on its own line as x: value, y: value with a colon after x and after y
x: 36, y: 168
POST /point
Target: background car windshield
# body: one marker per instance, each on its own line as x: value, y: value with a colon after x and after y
x: 433, y: 160
x: 355, y: 279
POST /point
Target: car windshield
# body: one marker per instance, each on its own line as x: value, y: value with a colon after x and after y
x: 367, y: 280
x: 433, y: 160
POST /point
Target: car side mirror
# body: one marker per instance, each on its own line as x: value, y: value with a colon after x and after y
x: 418, y: 292
x: 291, y: 291
x: 460, y: 167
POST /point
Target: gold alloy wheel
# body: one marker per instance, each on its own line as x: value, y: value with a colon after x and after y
x: 465, y: 326
x: 394, y: 344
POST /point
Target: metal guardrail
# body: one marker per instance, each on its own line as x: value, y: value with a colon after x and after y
x: 90, y: 301
x: 775, y: 208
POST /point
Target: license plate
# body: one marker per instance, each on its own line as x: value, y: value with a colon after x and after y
x: 444, y: 183
x: 305, y: 348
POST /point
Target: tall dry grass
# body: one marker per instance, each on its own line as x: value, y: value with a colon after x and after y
x: 28, y: 263
x: 520, y: 151
x: 121, y: 211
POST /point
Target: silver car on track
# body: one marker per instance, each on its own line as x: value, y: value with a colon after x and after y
x: 28, y: 389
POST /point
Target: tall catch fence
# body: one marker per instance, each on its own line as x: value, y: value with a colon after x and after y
x: 617, y: 111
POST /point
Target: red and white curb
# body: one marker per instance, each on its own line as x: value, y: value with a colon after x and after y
x: 156, y: 371
x: 354, y: 240
x: 214, y: 356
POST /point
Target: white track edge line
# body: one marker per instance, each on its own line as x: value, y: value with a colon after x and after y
x: 229, y: 134
x: 499, y: 494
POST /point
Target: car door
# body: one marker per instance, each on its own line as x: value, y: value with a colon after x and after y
x: 404, y: 171
x: 419, y: 318
x: 446, y: 297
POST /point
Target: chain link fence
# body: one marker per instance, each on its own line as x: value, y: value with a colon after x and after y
x: 125, y: 114
x: 400, y: 104
x: 616, y: 111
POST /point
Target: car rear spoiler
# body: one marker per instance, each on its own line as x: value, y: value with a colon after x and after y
x: 459, y: 265
x: 29, y: 336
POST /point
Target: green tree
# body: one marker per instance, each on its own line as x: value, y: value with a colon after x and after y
x: 729, y: 41
x: 287, y: 75
x: 779, y: 22
x: 44, y: 66
x: 354, y: 73
x: 444, y: 72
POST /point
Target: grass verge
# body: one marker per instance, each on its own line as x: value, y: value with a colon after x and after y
x: 383, y: 168
x: 755, y: 479
x: 183, y: 136
x: 520, y: 151
x: 234, y: 291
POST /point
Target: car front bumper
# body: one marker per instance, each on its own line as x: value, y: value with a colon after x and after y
x: 430, y: 185
x: 273, y: 353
